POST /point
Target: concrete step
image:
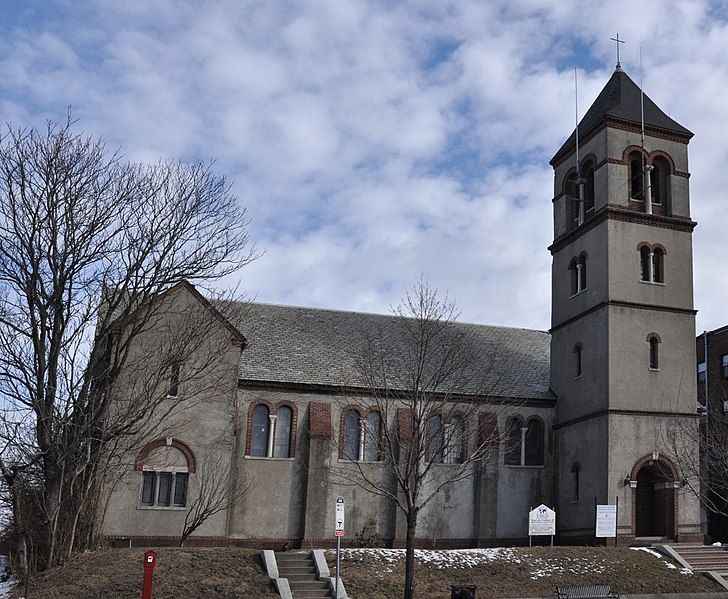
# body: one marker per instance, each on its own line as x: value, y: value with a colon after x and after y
x: 308, y: 585
x: 302, y: 569
x: 311, y: 595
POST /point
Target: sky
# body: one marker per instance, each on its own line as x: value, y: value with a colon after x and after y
x: 374, y: 142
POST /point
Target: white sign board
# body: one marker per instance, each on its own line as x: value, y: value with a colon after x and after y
x: 606, y: 521
x: 541, y: 521
x: 339, y: 516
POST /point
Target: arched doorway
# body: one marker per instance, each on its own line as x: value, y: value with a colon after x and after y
x: 655, y: 501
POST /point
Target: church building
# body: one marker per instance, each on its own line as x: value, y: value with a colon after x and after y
x: 593, y: 399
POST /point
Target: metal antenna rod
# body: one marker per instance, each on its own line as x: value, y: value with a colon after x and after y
x: 646, y: 191
x: 579, y: 180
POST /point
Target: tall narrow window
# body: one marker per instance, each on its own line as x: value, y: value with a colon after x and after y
x: 534, y: 443
x: 702, y: 369
x: 577, y: 360
x: 588, y: 191
x: 260, y: 428
x: 435, y: 440
x: 372, y: 437
x: 149, y: 488
x: 164, y: 497
x: 724, y: 366
x: 658, y: 275
x: 582, y: 272
x: 659, y: 181
x: 180, y: 489
x: 645, y: 273
x: 654, y: 352
x: 352, y: 435
x: 636, y: 177
x: 574, y: 277
x: 513, y: 442
x: 454, y: 441
x: 571, y: 191
x: 174, y: 372
x: 575, y: 476
x: 282, y: 440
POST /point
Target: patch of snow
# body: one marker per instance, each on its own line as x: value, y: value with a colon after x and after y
x: 7, y: 582
x: 716, y: 545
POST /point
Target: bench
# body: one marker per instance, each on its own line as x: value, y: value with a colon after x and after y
x: 586, y: 591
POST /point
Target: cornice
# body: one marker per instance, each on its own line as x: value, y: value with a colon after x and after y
x: 622, y: 214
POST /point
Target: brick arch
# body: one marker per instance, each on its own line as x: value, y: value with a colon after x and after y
x: 659, y: 153
x: 659, y: 246
x: 629, y: 149
x: 589, y: 158
x: 664, y: 460
x: 176, y: 443
x: 652, y: 336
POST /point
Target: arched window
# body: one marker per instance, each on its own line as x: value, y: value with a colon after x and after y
x: 166, y: 467
x: 282, y: 439
x: 636, y: 177
x: 654, y: 342
x: 352, y: 435
x: 571, y: 191
x: 588, y: 190
x: 577, y: 360
x: 514, y: 441
x: 534, y: 442
x: 454, y: 440
x: 574, y: 276
x: 658, y: 274
x: 372, y: 437
x: 575, y: 476
x: 645, y: 263
x: 435, y: 440
x: 659, y: 181
x: 260, y: 429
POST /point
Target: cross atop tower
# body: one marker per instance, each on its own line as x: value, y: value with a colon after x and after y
x: 618, y: 41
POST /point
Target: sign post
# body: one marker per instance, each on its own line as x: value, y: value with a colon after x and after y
x: 150, y: 560
x: 339, y: 533
x: 542, y: 522
x: 606, y: 524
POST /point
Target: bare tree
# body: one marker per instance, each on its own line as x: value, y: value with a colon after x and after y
x: 213, y: 490
x: 427, y: 379
x: 81, y: 228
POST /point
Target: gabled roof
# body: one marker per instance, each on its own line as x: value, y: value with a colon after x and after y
x: 312, y: 346
x: 620, y: 100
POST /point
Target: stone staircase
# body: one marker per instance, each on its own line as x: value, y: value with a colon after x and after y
x: 300, y: 570
x: 704, y: 558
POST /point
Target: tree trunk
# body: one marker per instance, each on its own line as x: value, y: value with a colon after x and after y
x: 409, y: 568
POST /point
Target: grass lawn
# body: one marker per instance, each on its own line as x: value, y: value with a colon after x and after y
x: 180, y: 573
x: 514, y: 572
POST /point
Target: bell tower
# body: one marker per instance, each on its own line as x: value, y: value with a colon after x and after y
x: 623, y: 321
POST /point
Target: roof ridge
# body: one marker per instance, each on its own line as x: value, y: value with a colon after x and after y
x: 361, y: 313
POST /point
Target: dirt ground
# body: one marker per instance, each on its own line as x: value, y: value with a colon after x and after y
x: 518, y: 572
x: 181, y: 573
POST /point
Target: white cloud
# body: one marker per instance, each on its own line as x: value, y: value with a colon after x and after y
x: 375, y: 141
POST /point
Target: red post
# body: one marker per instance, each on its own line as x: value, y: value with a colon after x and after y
x: 150, y: 560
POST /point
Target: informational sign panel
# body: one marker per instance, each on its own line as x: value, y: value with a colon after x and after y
x: 606, y: 521
x: 541, y: 521
x: 339, y: 516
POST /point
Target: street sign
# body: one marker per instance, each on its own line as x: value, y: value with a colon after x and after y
x: 541, y: 521
x: 606, y: 521
x: 339, y: 516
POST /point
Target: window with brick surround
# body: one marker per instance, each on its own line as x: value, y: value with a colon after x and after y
x: 660, y: 181
x: 372, y: 437
x: 352, y: 435
x: 165, y: 471
x: 636, y: 176
x: 272, y: 431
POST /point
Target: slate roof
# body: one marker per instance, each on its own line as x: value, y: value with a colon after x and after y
x: 289, y: 344
x: 620, y: 99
